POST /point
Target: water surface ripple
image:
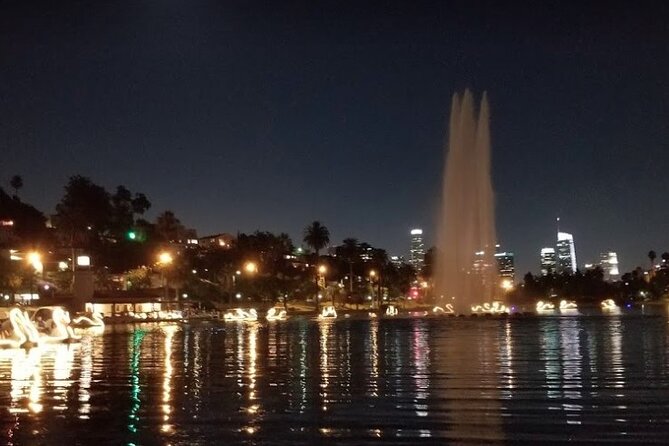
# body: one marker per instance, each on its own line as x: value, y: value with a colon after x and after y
x: 399, y: 381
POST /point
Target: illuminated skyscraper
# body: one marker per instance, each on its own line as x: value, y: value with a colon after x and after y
x: 609, y: 263
x: 417, y: 251
x: 548, y: 261
x: 566, y: 253
x: 505, y: 265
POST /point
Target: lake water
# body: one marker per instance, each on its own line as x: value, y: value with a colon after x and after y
x: 399, y: 381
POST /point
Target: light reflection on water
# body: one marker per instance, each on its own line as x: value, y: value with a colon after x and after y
x: 301, y: 381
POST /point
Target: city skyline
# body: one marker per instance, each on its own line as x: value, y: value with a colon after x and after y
x: 345, y: 120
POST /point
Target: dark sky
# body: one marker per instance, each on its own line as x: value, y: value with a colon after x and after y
x: 241, y: 116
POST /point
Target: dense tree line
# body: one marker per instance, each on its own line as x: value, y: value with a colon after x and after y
x: 111, y: 227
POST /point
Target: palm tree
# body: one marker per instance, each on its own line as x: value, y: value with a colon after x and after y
x: 380, y: 261
x: 316, y: 236
x: 350, y: 251
x: 652, y: 255
x: 665, y: 259
x: 16, y: 183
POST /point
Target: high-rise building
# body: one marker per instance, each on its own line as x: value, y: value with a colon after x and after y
x: 505, y: 265
x: 609, y: 263
x: 417, y: 250
x: 548, y: 261
x: 566, y: 253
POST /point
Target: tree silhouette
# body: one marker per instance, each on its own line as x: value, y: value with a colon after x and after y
x: 316, y: 236
x: 652, y: 255
x: 84, y: 213
x: 665, y: 259
x: 16, y: 183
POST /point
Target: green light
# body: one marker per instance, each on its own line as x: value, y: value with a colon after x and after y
x: 132, y: 235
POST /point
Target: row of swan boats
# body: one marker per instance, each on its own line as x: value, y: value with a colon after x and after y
x: 542, y: 307
x: 25, y: 327
x: 277, y: 314
x: 486, y: 308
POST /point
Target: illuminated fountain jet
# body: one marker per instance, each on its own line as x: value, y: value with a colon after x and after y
x: 16, y: 330
x: 610, y: 306
x: 568, y: 306
x: 239, y: 314
x: 52, y: 325
x: 276, y: 314
x: 328, y: 312
x: 490, y: 308
x: 545, y: 307
x: 445, y: 310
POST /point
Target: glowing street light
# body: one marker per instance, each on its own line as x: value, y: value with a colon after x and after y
x: 373, y: 276
x: 35, y: 260
x: 251, y: 267
x: 165, y: 258
x: 322, y: 269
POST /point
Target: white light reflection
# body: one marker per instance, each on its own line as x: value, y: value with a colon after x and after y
x: 168, y: 371
x: 26, y: 380
x: 506, y: 359
x: 421, y: 359
x: 85, y: 377
x: 617, y: 365
x: 324, y: 329
x: 550, y: 356
x: 63, y: 358
x: 373, y: 387
x: 571, y: 373
x: 303, y: 369
x: 197, y: 372
x: 253, y: 357
x: 251, y: 369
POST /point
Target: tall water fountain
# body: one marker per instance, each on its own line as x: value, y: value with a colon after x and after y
x: 466, y: 271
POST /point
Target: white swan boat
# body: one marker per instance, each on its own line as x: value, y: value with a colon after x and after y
x: 490, y: 308
x: 276, y: 314
x: 87, y: 320
x: 391, y: 311
x: 545, y: 307
x: 240, y: 314
x: 328, y: 312
x: 609, y: 305
x: 52, y: 325
x: 445, y: 310
x: 568, y: 306
x: 16, y: 330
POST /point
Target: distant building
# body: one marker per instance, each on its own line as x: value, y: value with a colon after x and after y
x: 566, y: 253
x: 417, y: 250
x: 548, y: 261
x: 221, y: 241
x: 609, y: 263
x: 505, y: 265
x: 397, y: 260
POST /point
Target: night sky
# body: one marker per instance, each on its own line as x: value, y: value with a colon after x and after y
x: 242, y: 116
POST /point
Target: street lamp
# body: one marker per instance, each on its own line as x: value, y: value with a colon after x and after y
x: 164, y: 260
x: 234, y: 285
x: 372, y: 276
x: 35, y: 261
x: 322, y: 270
x: 251, y: 267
